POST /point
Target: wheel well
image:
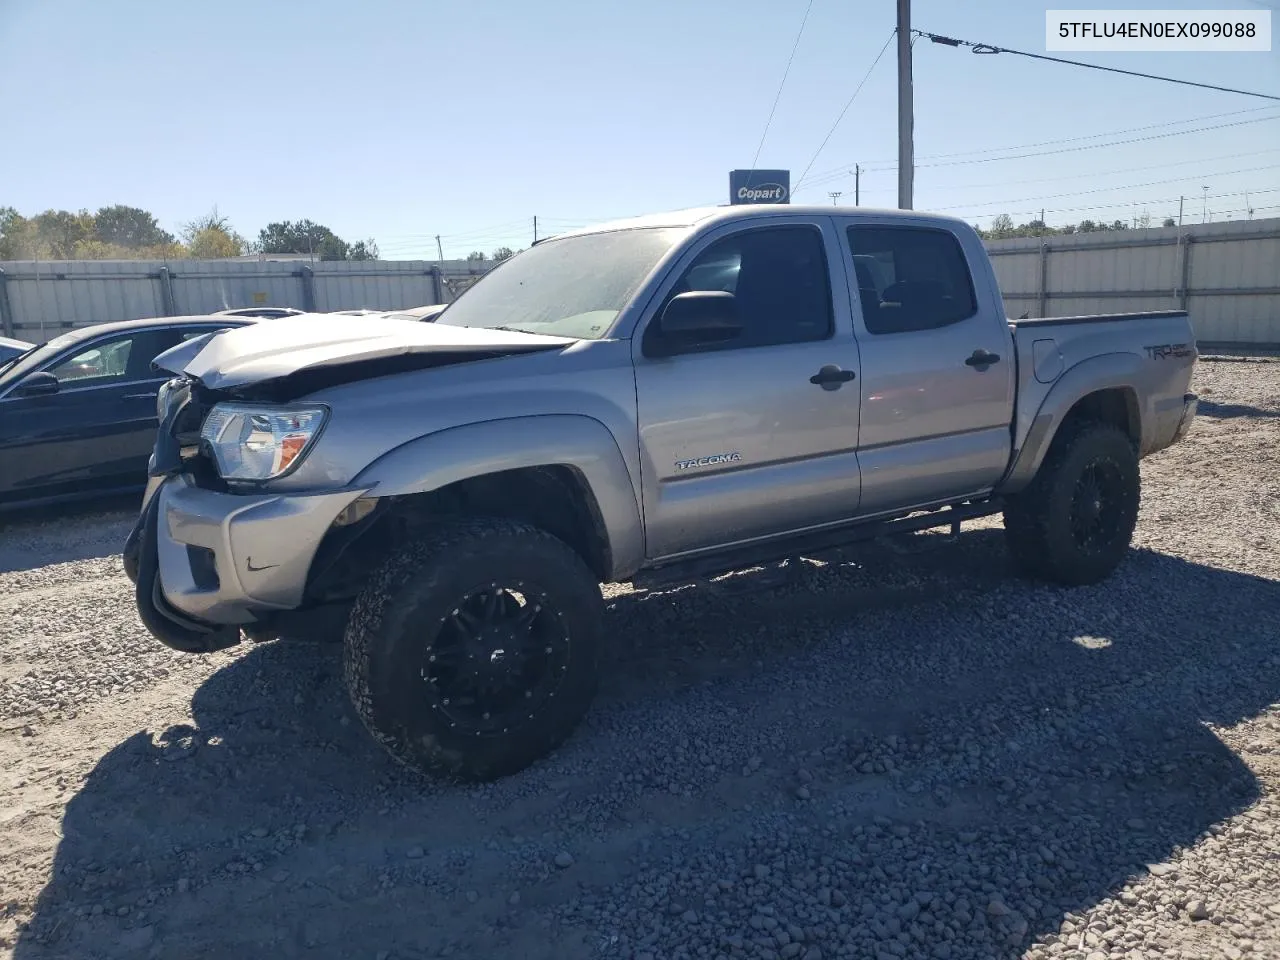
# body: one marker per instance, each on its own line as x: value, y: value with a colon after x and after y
x: 555, y: 498
x: 1117, y: 406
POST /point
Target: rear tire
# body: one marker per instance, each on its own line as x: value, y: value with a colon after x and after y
x: 475, y: 651
x: 1073, y: 524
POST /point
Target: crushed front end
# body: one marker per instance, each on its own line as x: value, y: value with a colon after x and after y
x: 208, y: 558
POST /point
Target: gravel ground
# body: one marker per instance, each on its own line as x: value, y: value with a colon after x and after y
x: 904, y: 753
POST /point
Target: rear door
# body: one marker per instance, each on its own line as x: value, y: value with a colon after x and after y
x: 938, y: 376
x: 737, y: 439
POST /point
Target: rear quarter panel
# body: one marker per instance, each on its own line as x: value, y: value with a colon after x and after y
x: 1061, y: 361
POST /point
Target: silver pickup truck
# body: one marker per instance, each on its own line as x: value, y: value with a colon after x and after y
x: 655, y: 400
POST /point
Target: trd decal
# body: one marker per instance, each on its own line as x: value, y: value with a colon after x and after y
x: 708, y: 461
x: 1166, y: 350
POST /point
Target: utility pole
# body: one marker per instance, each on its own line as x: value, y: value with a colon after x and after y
x: 835, y: 196
x: 1204, y: 206
x: 906, y: 121
x: 1180, y: 202
x: 535, y: 228
x: 439, y: 248
x: 857, y: 185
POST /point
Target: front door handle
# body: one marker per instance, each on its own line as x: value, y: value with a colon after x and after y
x: 980, y: 359
x: 831, y: 377
x: 140, y: 396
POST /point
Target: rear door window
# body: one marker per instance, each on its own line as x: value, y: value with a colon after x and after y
x: 910, y: 278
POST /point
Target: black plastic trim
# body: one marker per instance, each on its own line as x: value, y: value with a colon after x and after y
x: 1099, y: 318
x: 807, y: 544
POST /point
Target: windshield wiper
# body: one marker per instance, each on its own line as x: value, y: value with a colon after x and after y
x: 12, y: 360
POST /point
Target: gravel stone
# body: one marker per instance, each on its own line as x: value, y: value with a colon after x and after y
x: 998, y: 759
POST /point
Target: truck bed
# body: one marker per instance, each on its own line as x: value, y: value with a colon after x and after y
x: 1143, y: 360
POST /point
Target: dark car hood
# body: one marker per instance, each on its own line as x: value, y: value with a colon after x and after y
x: 278, y: 349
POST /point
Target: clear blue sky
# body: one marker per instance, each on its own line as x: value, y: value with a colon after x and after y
x: 401, y: 120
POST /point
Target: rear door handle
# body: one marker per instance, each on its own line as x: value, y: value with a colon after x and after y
x: 831, y: 377
x: 981, y: 359
x: 140, y: 396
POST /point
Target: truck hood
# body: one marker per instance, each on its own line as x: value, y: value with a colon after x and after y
x: 316, y: 350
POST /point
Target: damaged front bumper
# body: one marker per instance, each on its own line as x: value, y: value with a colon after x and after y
x: 206, y: 564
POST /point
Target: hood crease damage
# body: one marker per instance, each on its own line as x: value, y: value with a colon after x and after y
x: 283, y: 359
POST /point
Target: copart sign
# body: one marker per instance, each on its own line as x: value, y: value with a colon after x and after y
x: 759, y: 186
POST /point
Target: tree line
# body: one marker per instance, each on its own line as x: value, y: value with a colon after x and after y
x: 1002, y: 227
x: 120, y: 232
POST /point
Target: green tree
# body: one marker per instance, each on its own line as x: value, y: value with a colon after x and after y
x: 502, y: 253
x: 302, y: 237
x: 18, y: 238
x: 129, y: 227
x: 1169, y: 222
x: 1002, y: 226
x: 363, y: 250
x: 210, y: 237
x: 476, y: 255
x: 59, y: 231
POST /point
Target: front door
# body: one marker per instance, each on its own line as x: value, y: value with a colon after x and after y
x: 935, y: 418
x: 96, y: 432
x: 756, y: 435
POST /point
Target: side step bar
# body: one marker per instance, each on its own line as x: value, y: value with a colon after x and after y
x: 808, y: 544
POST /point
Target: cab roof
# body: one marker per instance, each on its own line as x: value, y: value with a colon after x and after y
x: 701, y: 216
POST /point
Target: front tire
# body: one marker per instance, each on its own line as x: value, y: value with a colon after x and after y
x: 1074, y: 522
x: 475, y: 651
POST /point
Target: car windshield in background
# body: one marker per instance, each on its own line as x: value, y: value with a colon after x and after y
x: 20, y: 366
x: 573, y: 287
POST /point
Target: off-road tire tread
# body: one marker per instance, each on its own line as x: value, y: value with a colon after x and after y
x: 1036, y: 549
x: 450, y: 544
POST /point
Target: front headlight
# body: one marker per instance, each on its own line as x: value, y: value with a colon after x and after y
x: 251, y: 442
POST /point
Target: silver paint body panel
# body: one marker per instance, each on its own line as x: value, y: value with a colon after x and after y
x: 773, y: 454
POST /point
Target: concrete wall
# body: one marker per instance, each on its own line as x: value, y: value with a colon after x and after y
x: 40, y: 299
x: 1226, y: 275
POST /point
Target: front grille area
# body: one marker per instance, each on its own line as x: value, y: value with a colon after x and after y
x: 190, y: 402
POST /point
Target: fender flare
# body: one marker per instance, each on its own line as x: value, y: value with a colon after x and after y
x: 582, y: 443
x: 1110, y: 371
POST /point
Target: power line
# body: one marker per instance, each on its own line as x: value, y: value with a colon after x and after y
x: 1094, y: 174
x: 892, y: 34
x: 1127, y: 203
x: 988, y: 48
x: 782, y: 83
x: 1129, y: 186
x: 1108, y: 173
x: 1093, y: 146
x: 891, y: 164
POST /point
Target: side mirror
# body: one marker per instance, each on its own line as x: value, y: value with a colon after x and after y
x: 40, y: 384
x: 700, y: 316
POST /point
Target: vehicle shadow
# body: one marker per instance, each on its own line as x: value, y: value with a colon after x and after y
x: 1209, y: 408
x: 273, y: 825
x: 92, y: 530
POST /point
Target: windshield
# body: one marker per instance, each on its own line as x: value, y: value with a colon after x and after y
x: 573, y: 287
x: 25, y: 363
